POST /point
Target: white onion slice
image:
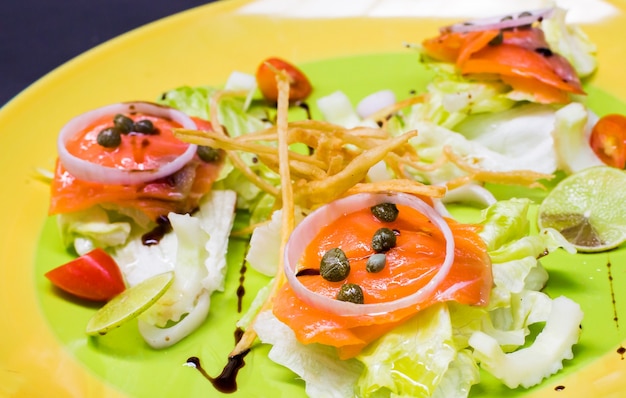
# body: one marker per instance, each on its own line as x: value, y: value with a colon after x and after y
x: 88, y: 171
x: 306, y: 231
x: 497, y: 23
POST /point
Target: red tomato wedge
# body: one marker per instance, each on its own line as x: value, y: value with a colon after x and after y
x: 608, y: 140
x: 179, y: 192
x: 93, y: 276
x: 299, y: 85
x: 521, y: 58
x: 419, y: 252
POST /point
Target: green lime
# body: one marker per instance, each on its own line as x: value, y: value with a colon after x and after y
x: 588, y: 208
x: 129, y: 304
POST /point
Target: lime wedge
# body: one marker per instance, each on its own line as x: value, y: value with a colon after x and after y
x: 588, y: 208
x: 129, y: 304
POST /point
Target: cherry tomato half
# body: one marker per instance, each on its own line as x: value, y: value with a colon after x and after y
x: 92, y: 276
x: 299, y: 86
x: 608, y: 140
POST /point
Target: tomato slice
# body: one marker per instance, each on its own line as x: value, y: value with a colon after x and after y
x: 93, y: 276
x: 608, y: 140
x: 299, y: 86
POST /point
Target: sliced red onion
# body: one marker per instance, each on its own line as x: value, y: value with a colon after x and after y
x: 306, y: 231
x: 500, y: 22
x: 88, y: 171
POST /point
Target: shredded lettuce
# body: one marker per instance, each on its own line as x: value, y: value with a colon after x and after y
x: 318, y: 365
x: 571, y: 42
x: 85, y: 230
x: 411, y: 360
x: 196, y: 251
x: 450, y: 98
x: 440, y: 350
x: 528, y: 366
x: 571, y: 134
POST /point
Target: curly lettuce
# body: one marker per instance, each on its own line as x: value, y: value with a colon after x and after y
x: 439, y: 351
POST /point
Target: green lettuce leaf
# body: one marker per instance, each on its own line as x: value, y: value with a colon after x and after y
x: 411, y: 360
x: 571, y: 42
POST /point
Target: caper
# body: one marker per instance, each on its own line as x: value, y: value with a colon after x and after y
x: 144, y: 126
x: 334, y: 266
x: 497, y: 40
x: 109, y: 138
x: 351, y: 292
x: 123, y: 123
x: 207, y: 153
x: 387, y: 212
x: 376, y: 262
x: 383, y: 240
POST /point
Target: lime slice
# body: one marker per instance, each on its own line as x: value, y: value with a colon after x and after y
x: 588, y: 208
x: 129, y: 304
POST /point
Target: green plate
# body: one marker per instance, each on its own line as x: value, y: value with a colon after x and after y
x: 43, y: 349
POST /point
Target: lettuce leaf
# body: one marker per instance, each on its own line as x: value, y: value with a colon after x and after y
x: 411, y: 360
x: 571, y: 42
x: 196, y: 251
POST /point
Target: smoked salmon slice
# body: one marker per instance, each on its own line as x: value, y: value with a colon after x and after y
x: 520, y: 57
x: 419, y: 252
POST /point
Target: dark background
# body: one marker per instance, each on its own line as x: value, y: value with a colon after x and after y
x: 36, y: 36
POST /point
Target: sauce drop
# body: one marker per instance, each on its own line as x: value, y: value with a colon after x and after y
x: 559, y: 388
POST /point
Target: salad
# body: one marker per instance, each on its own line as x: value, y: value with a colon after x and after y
x: 476, y: 296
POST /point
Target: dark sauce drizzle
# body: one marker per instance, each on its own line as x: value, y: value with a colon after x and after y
x: 241, y: 289
x: 620, y: 350
x: 154, y: 237
x: 559, y: 388
x: 225, y: 382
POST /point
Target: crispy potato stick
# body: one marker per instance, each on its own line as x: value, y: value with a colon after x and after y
x: 399, y: 185
x: 288, y: 222
x: 384, y: 114
x: 317, y: 192
x: 517, y: 177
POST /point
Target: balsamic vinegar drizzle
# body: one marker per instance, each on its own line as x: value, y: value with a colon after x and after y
x: 154, y: 237
x: 620, y: 350
x: 225, y: 382
x: 241, y: 290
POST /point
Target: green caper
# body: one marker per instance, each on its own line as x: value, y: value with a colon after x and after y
x: 351, y: 292
x: 207, y: 153
x: 109, y: 138
x: 123, y: 123
x: 383, y: 240
x: 387, y: 212
x: 334, y: 266
x: 144, y: 126
x: 376, y: 262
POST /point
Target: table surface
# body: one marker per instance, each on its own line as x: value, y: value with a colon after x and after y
x: 36, y: 36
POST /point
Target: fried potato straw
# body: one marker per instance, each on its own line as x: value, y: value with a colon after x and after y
x: 332, y: 162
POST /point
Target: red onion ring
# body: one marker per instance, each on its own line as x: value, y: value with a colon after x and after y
x: 306, y: 231
x: 497, y: 23
x: 88, y: 171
